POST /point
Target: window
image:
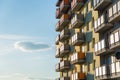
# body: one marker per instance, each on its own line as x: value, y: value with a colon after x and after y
x: 93, y: 42
x: 92, y: 22
x: 87, y: 27
x: 86, y: 8
x: 88, y: 67
x: 91, y: 3
x: 94, y: 64
x: 88, y: 46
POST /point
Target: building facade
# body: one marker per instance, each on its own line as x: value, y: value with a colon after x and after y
x: 88, y: 39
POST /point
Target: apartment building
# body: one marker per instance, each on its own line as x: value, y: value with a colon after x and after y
x: 108, y: 46
x: 88, y: 39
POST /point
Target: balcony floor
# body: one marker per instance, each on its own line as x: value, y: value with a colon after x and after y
x: 115, y: 18
x: 102, y: 4
x: 103, y: 27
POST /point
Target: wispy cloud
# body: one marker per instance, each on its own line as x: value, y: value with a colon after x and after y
x: 28, y: 46
x: 16, y: 37
x: 18, y: 76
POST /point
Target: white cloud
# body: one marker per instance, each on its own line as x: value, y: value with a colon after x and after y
x: 28, y: 46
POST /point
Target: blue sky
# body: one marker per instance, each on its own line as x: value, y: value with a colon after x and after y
x: 27, y: 37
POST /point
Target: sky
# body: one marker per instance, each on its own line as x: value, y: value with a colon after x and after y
x: 27, y: 38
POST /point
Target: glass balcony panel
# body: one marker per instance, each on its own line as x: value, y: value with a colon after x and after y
x: 113, y: 68
x: 100, y: 71
x: 117, y: 37
x: 118, y: 67
x: 102, y: 44
x: 118, y: 5
x: 114, y: 8
x: 104, y: 70
x: 111, y: 39
x: 110, y: 12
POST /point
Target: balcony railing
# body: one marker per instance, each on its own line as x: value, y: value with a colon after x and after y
x: 58, y: 13
x: 57, y: 55
x: 65, y: 34
x: 101, y: 4
x: 100, y: 47
x: 114, y: 13
x: 114, y: 39
x: 58, y: 67
x: 64, y: 65
x: 57, y: 39
x: 108, y: 71
x: 58, y: 28
x: 65, y: 78
x: 102, y: 72
x: 78, y: 58
x: 78, y: 76
x: 64, y: 6
x: 78, y: 39
x: 115, y: 69
x: 77, y: 21
x: 101, y: 24
x: 58, y: 2
x: 64, y: 50
x: 76, y: 5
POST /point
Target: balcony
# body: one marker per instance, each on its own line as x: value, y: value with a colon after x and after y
x: 58, y: 3
x: 78, y: 39
x: 76, y: 5
x: 114, y: 39
x: 65, y: 34
x: 114, y: 13
x: 64, y: 6
x: 64, y: 20
x: 108, y: 71
x: 65, y: 78
x: 102, y: 72
x: 64, y: 65
x: 58, y: 13
x: 58, y: 28
x: 101, y: 4
x: 100, y: 47
x: 78, y: 76
x: 101, y: 25
x: 64, y: 50
x: 57, y: 40
x: 77, y: 21
x: 58, y: 67
x: 57, y: 55
x: 78, y: 58
x: 115, y: 70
